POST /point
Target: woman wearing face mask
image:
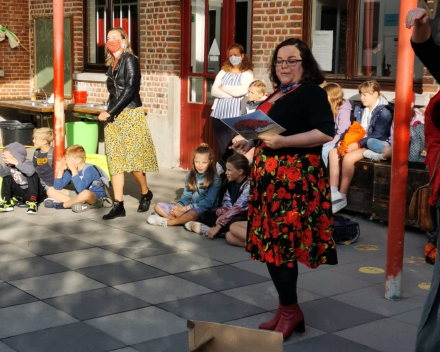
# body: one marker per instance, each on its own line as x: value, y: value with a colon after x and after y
x: 230, y: 86
x: 128, y: 142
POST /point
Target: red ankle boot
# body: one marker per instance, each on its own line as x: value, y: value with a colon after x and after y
x: 292, y: 319
x: 272, y: 324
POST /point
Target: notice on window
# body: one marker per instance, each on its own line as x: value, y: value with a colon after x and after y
x: 323, y: 49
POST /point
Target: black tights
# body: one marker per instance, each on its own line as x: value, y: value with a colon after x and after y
x: 285, y: 279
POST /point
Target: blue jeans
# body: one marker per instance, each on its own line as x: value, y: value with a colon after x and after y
x: 376, y: 145
x: 325, y: 151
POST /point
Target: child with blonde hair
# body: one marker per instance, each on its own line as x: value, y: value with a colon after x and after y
x: 88, y: 193
x: 201, y: 192
x: 256, y: 95
x: 43, y: 156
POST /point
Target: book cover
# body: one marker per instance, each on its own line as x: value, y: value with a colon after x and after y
x: 252, y: 125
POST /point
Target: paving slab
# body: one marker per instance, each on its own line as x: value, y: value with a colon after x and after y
x: 96, y: 303
x: 352, y: 269
x: 141, y: 249
x: 11, y: 296
x: 224, y: 253
x: 54, y: 285
x: 327, y: 343
x: 173, y: 343
x: 372, y: 299
x: 180, y: 262
x: 329, y: 315
x: 107, y: 237
x: 254, y: 266
x: 163, y: 289
x: 12, y: 223
x: 201, y: 308
x: 53, y: 245
x: 222, y: 277
x: 19, y: 234
x: 77, y: 227
x: 140, y: 325
x: 121, y: 272
x: 126, y: 349
x: 328, y: 283
x: 85, y: 257
x: 132, y: 217
x: 67, y: 338
x: 10, y: 252
x: 412, y: 317
x: 30, y: 317
x: 381, y: 335
x: 29, y: 267
x: 264, y: 295
x: 5, y: 348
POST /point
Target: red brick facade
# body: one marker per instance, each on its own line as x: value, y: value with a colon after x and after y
x: 14, y: 15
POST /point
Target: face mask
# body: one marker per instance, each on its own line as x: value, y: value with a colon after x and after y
x: 114, y: 45
x: 235, y: 60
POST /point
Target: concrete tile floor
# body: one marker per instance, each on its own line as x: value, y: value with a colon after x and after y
x: 73, y: 282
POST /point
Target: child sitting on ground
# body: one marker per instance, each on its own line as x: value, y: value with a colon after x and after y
x: 19, y: 180
x: 234, y: 205
x: 201, y: 192
x: 89, y: 192
x: 43, y: 156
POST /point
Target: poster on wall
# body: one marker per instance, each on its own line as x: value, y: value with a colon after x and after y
x: 323, y: 49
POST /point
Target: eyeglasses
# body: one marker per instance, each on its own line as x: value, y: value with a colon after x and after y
x: 289, y: 63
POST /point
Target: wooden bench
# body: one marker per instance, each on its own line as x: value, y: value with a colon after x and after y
x: 369, y: 191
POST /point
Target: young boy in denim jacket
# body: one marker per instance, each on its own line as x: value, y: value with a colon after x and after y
x: 19, y: 180
x: 89, y: 192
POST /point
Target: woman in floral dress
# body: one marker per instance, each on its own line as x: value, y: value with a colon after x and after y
x: 290, y: 217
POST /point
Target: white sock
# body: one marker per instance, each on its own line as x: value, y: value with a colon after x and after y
x: 344, y: 197
x: 334, y: 189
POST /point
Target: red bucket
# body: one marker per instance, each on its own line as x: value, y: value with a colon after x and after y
x: 80, y: 97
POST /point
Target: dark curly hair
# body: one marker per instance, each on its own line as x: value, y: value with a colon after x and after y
x: 312, y: 72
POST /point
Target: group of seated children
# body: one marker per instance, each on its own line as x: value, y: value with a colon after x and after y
x: 199, y: 208
x: 366, y: 132
x: 27, y: 183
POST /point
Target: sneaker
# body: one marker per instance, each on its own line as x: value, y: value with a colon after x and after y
x: 369, y: 154
x: 6, y: 206
x: 336, y: 197
x: 188, y: 225
x: 19, y: 202
x: 339, y: 205
x: 49, y: 202
x: 80, y: 207
x: 157, y: 220
x: 33, y: 208
x: 58, y: 205
x: 200, y: 228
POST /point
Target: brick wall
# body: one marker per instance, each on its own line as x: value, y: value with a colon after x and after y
x: 273, y: 22
x: 14, y: 15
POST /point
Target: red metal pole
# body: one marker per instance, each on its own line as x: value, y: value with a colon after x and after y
x: 399, y: 162
x: 58, y: 78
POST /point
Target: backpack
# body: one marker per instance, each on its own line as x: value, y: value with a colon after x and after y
x: 346, y: 231
x: 105, y: 183
x: 430, y: 253
x: 417, y: 144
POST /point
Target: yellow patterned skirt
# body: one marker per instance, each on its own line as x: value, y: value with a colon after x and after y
x: 128, y: 143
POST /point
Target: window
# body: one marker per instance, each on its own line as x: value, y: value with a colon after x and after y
x: 354, y: 40
x: 99, y: 17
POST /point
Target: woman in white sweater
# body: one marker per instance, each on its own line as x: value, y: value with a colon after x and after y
x: 230, y: 86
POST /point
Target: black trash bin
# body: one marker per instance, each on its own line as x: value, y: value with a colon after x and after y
x: 16, y: 131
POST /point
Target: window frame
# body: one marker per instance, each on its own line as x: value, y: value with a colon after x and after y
x: 101, y: 68
x: 350, y: 79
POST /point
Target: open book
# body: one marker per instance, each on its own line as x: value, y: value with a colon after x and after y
x: 251, y: 125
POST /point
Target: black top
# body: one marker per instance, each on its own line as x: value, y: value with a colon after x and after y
x: 302, y: 110
x: 124, y: 84
x: 428, y: 52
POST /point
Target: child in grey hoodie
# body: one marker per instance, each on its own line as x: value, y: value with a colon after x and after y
x: 19, y: 179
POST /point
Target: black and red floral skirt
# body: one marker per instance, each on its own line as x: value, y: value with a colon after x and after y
x: 290, y: 216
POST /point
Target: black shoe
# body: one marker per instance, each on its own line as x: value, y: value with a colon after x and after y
x: 118, y: 210
x: 145, y: 202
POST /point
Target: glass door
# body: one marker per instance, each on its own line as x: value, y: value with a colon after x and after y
x: 204, y: 44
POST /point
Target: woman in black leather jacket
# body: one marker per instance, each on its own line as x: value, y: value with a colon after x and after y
x: 128, y: 142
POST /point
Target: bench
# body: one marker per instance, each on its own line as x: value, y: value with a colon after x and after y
x: 369, y: 191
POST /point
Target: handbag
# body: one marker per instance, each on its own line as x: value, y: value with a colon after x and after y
x: 419, y: 208
x: 346, y: 231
